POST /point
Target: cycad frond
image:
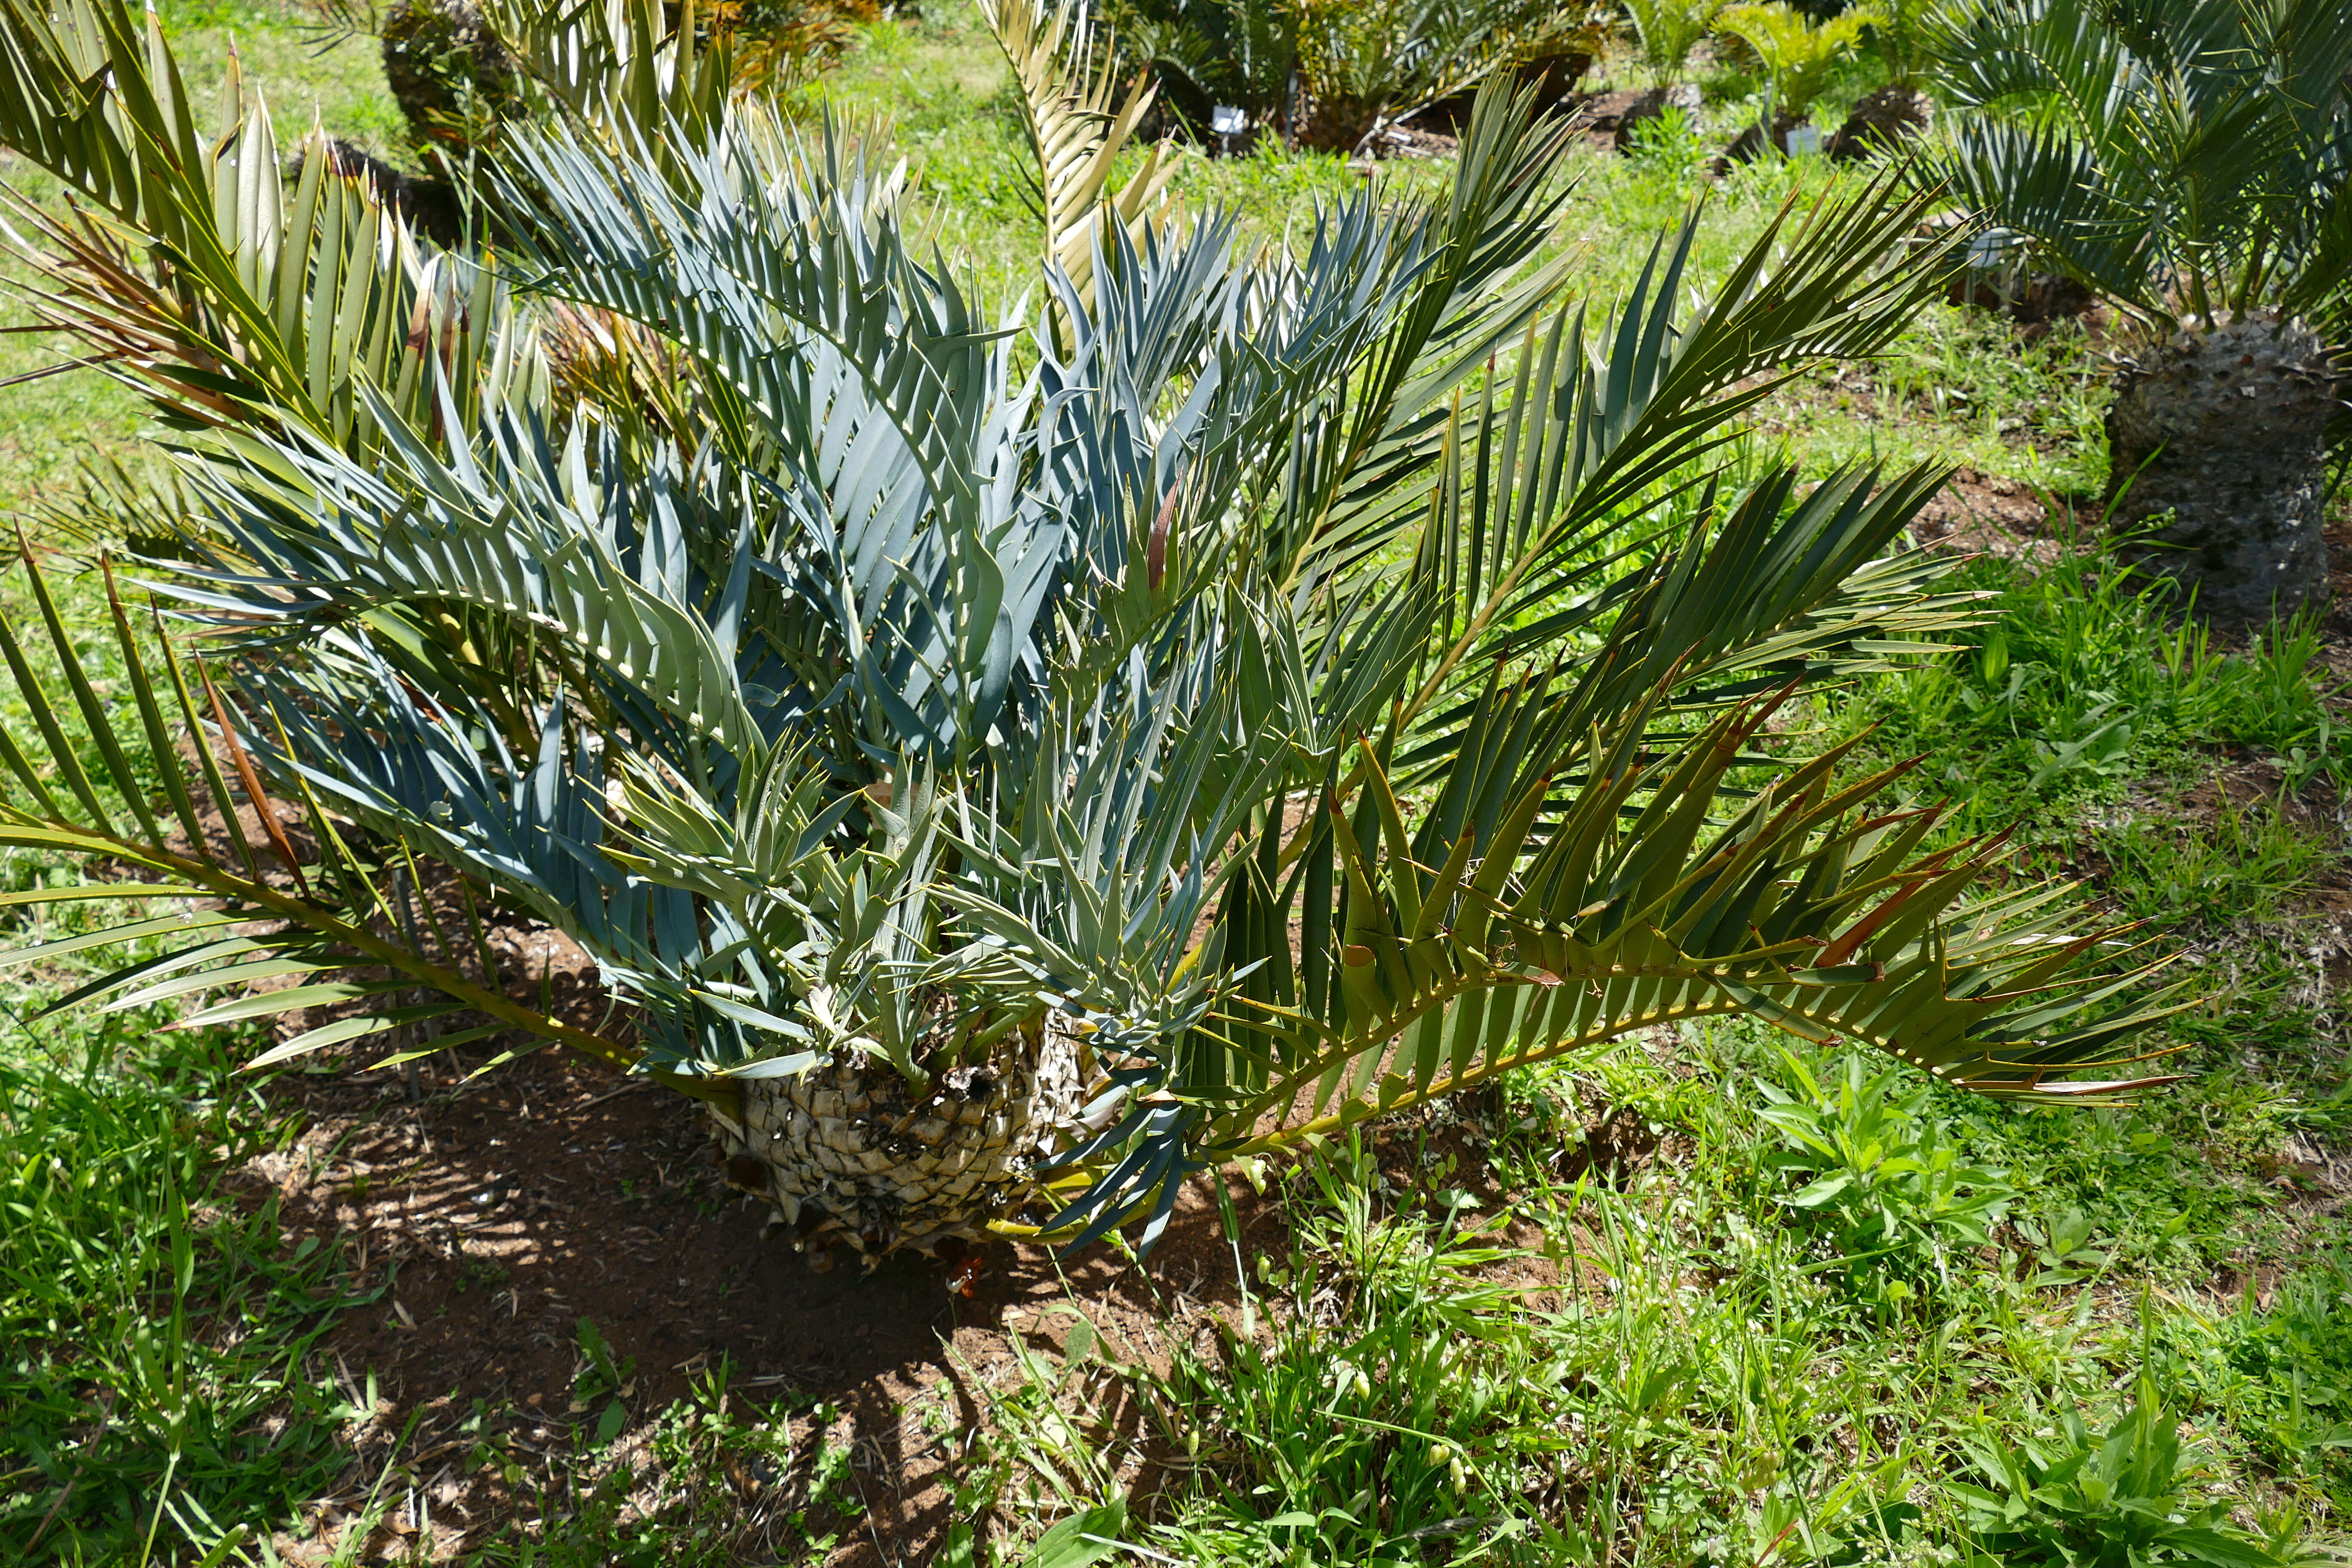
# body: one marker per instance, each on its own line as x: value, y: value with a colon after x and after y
x: 618, y: 64
x: 1520, y: 936
x: 1077, y: 128
x: 181, y: 267
x: 1538, y: 480
x: 509, y: 530
x: 262, y: 911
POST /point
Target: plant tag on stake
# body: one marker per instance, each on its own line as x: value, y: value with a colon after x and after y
x: 1804, y: 141
x: 1226, y: 121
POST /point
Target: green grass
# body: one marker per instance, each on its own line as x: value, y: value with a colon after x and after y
x: 2082, y: 680
x: 156, y: 1385
x: 1719, y: 1383
x: 1719, y: 1354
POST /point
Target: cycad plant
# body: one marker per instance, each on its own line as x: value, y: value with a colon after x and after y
x: 1331, y: 73
x: 1796, y: 52
x: 1204, y: 52
x: 461, y: 68
x: 1366, y: 67
x: 2189, y: 160
x: 1905, y: 31
x: 1666, y: 31
x: 999, y: 770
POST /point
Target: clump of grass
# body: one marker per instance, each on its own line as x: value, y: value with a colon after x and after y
x: 2085, y: 675
x: 2241, y: 864
x: 1401, y: 1409
x: 156, y: 1389
x: 2281, y: 1370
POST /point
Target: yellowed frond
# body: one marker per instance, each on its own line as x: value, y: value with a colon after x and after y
x: 1079, y: 119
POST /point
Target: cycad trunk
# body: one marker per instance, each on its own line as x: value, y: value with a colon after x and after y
x: 446, y: 67
x: 1884, y: 121
x: 2223, y: 427
x: 847, y: 1156
x: 1337, y: 124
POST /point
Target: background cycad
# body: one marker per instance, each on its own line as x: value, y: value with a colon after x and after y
x: 2187, y: 160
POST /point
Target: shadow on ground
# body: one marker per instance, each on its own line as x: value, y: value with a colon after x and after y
x: 495, y: 1215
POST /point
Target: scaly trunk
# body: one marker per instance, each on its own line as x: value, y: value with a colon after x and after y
x: 2222, y: 427
x: 847, y: 1155
x: 446, y: 67
x: 1337, y: 124
x: 1884, y: 121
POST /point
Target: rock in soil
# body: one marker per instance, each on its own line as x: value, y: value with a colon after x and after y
x: 1748, y: 145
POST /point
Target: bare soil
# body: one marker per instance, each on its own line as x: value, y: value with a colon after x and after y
x: 494, y: 1215
x: 1980, y: 513
x: 490, y: 1215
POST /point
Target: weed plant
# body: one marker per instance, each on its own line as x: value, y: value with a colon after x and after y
x: 2124, y: 1497
x: 1894, y: 1202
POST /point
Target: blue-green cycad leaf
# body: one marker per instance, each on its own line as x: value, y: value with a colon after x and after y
x: 877, y: 389
x: 586, y: 549
x: 1093, y: 888
x: 821, y: 900
x: 773, y: 246
x: 446, y: 776
x: 532, y: 826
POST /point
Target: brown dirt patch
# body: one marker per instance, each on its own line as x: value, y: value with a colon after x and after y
x: 2261, y: 781
x: 494, y: 1215
x: 1987, y: 514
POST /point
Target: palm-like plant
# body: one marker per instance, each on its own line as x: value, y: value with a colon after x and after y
x: 1331, y: 73
x: 1796, y: 52
x: 232, y: 303
x: 1319, y: 684
x: 1666, y: 31
x: 1905, y: 30
x: 1365, y: 66
x: 2192, y: 161
x: 1210, y: 52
